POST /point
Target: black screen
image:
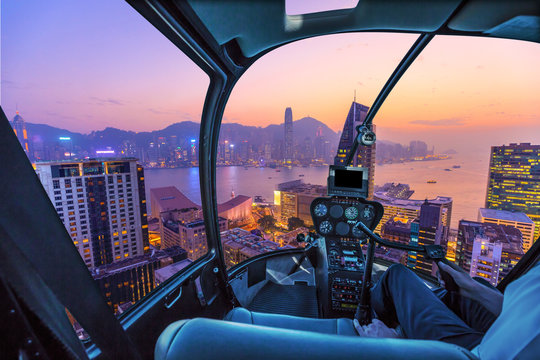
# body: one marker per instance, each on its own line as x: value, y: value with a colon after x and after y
x: 349, y: 179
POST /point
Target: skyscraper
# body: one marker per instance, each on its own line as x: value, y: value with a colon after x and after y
x: 365, y: 155
x: 19, y: 127
x: 289, y: 146
x: 517, y: 220
x: 430, y: 232
x: 102, y: 205
x: 514, y: 180
x: 488, y: 250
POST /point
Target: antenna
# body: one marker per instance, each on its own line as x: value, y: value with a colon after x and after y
x: 354, y: 95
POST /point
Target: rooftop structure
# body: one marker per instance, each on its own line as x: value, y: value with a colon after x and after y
x: 518, y: 220
x: 169, y: 198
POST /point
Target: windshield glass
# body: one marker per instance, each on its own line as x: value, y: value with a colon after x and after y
x: 108, y: 111
x: 282, y: 128
x: 458, y: 155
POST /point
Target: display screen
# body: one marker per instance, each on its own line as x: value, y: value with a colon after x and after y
x: 349, y: 179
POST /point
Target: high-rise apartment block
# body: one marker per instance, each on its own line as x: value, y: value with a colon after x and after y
x: 295, y: 198
x: 102, y: 205
x: 365, y: 155
x: 488, y: 250
x: 288, y: 137
x: 514, y: 180
x: 515, y: 219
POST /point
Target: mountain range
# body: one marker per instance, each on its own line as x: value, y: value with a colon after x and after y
x: 184, y: 131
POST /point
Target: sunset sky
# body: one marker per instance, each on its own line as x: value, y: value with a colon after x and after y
x: 87, y: 65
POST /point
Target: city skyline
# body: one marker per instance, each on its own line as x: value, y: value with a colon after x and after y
x: 78, y: 88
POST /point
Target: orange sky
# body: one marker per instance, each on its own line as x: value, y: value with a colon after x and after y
x: 86, y: 66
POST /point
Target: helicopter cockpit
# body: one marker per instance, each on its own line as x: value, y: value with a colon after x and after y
x: 262, y: 288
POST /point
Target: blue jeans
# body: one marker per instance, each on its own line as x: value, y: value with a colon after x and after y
x: 401, y: 297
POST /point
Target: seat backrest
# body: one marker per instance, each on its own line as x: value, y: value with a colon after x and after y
x: 217, y: 339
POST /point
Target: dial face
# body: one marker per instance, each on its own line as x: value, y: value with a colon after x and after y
x: 351, y: 213
x: 320, y: 210
x: 357, y: 233
x: 367, y: 213
x: 342, y: 228
x: 325, y: 227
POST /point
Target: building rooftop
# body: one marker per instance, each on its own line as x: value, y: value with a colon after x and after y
x: 170, y: 198
x: 509, y: 236
x: 232, y: 203
x: 166, y: 272
x: 136, y: 261
x: 389, y: 200
x: 505, y: 215
x: 84, y: 161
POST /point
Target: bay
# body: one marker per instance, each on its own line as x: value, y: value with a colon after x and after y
x: 466, y: 185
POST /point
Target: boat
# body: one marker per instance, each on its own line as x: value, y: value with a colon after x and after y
x: 447, y: 170
x: 432, y: 181
x: 301, y: 175
x: 456, y: 166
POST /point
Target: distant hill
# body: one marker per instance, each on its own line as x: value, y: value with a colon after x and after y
x: 184, y: 131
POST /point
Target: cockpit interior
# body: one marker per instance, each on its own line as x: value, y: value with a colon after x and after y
x: 294, y: 303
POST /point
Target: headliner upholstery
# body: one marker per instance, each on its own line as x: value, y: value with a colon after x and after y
x: 260, y: 25
x: 216, y: 339
x: 325, y: 326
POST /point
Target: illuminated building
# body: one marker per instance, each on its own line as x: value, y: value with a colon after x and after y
x: 288, y: 137
x: 365, y: 155
x: 102, y: 205
x: 488, y: 250
x: 167, y: 199
x: 514, y: 180
x: 515, y: 219
x: 239, y: 245
x: 190, y: 236
x: 410, y: 209
x: 19, y: 127
x: 295, y: 200
x: 237, y: 210
x: 129, y: 280
x: 430, y: 232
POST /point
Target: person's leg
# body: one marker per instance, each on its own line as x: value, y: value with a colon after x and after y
x: 473, y: 313
x: 401, y: 297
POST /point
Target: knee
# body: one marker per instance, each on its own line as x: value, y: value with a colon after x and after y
x: 398, y: 271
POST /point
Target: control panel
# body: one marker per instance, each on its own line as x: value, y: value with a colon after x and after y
x: 345, y: 293
x: 339, y: 217
x: 336, y: 219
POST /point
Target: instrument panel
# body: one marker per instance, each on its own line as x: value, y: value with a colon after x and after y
x: 339, y: 217
x: 336, y: 219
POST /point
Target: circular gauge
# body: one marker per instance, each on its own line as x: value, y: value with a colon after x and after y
x: 367, y: 214
x: 325, y: 227
x: 357, y: 232
x: 336, y: 211
x: 342, y: 228
x: 351, y: 213
x: 320, y: 210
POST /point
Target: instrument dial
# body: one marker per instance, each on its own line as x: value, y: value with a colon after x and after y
x: 357, y: 233
x: 325, y: 227
x: 342, y: 228
x: 351, y: 213
x: 367, y: 214
x: 320, y: 210
x: 336, y: 211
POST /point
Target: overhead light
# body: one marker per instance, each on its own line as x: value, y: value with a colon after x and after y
x: 301, y: 7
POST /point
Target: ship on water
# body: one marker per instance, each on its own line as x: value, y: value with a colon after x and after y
x: 432, y: 181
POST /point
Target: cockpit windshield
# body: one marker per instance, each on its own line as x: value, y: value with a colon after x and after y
x: 108, y: 111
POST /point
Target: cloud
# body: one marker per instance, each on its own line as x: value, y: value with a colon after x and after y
x: 440, y: 122
x: 108, y: 101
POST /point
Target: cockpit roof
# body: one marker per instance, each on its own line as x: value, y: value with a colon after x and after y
x: 256, y: 26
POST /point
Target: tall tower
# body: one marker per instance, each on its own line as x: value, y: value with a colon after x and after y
x: 365, y: 155
x: 102, y: 205
x: 19, y: 127
x: 288, y: 153
x: 514, y: 181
